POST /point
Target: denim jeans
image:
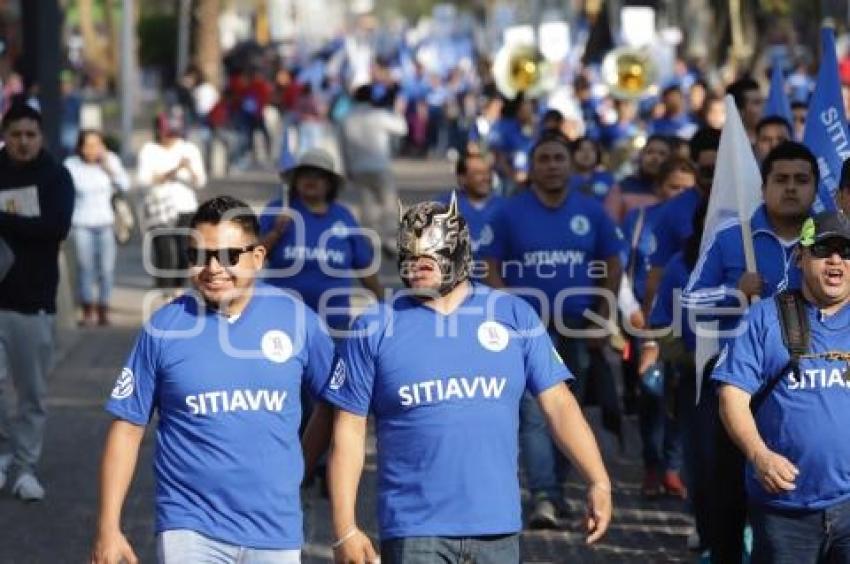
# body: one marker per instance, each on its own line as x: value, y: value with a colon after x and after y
x: 659, y: 424
x: 96, y: 250
x: 545, y: 466
x: 180, y: 546
x: 786, y: 537
x: 496, y: 549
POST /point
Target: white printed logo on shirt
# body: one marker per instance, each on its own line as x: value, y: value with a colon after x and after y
x: 580, y: 225
x: 276, y: 346
x: 338, y: 377
x: 339, y: 229
x: 493, y: 336
x: 123, y: 385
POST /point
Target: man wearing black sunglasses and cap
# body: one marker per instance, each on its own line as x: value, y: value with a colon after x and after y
x: 223, y: 367
x: 784, y: 400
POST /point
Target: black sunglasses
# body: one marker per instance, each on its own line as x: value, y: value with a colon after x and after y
x: 226, y: 257
x: 826, y: 249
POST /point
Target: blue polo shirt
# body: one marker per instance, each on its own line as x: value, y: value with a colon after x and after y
x: 805, y: 417
x: 228, y: 460
x: 445, y: 392
x: 328, y: 243
x: 674, y: 226
x: 556, y: 251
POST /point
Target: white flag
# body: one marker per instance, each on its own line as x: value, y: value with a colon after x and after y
x: 735, y: 196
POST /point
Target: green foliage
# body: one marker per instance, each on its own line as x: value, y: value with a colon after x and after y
x: 157, y: 35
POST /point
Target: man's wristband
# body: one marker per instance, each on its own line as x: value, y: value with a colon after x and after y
x: 341, y: 541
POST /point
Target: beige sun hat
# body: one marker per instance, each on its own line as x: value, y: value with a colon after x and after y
x: 317, y: 159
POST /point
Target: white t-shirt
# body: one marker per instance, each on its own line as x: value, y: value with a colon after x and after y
x: 156, y: 159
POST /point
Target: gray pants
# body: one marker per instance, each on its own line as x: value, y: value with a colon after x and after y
x: 26, y: 354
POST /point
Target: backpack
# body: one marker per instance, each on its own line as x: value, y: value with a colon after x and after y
x: 728, y: 505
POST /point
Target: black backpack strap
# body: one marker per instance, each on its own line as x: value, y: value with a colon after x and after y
x: 794, y: 322
x: 796, y: 337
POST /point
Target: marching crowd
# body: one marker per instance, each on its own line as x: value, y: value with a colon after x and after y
x: 566, y: 268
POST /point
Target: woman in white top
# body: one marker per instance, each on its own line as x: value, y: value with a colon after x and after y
x: 172, y: 169
x: 97, y: 174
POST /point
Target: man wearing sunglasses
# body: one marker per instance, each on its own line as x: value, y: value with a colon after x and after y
x: 223, y: 367
x: 720, y: 280
x: 798, y: 459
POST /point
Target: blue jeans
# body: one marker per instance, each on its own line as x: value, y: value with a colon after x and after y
x: 496, y: 549
x: 96, y: 250
x: 659, y: 424
x: 545, y: 466
x: 180, y: 546
x: 804, y: 537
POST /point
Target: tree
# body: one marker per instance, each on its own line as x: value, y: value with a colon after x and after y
x: 207, y: 53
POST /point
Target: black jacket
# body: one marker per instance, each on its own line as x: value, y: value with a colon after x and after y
x: 30, y: 285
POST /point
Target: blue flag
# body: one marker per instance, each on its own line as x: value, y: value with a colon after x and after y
x: 826, y: 132
x: 777, y: 100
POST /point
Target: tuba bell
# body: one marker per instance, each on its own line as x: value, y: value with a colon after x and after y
x: 521, y: 68
x: 629, y: 73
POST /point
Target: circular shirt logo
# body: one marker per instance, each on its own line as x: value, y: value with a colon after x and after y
x: 600, y: 188
x: 277, y: 346
x: 123, y: 385
x: 338, y: 377
x: 493, y: 336
x: 580, y: 225
x: 339, y: 229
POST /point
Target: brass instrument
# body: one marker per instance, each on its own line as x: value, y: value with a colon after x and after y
x: 629, y: 73
x: 521, y: 68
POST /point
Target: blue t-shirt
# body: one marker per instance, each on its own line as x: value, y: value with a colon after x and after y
x: 445, y: 392
x: 507, y: 136
x: 228, y: 460
x: 674, y: 225
x: 637, y: 263
x: 805, y: 417
x: 611, y: 135
x: 664, y: 307
x: 554, y: 250
x: 597, y: 184
x: 680, y: 126
x: 342, y: 251
x: 477, y: 217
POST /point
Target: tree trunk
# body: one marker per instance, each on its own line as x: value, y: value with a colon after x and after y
x: 111, y: 51
x: 207, y: 54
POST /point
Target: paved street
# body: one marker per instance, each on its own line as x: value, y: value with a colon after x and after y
x: 60, y: 528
